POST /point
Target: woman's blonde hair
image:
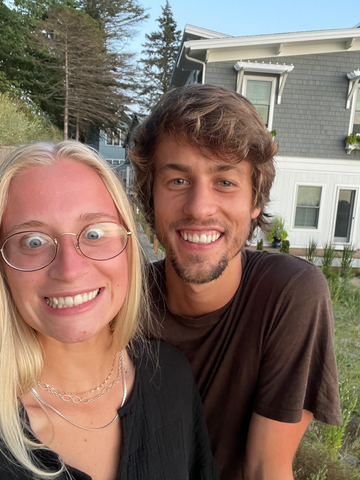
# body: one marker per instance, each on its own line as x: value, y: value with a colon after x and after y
x: 21, y: 359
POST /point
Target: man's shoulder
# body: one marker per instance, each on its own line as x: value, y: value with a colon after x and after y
x: 277, y: 266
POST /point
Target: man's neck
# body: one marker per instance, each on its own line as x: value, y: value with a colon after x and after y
x: 191, y: 300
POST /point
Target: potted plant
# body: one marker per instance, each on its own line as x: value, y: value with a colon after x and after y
x: 352, y: 142
x: 277, y: 232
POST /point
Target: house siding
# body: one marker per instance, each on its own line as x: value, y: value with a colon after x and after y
x: 312, y: 120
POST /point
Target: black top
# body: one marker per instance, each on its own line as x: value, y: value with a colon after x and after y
x: 269, y: 350
x: 164, y: 432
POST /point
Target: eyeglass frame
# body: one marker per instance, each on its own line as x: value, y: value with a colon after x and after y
x: 57, y: 245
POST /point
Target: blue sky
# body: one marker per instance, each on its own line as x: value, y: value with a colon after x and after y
x: 254, y: 18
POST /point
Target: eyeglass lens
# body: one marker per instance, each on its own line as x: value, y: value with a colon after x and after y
x: 34, y: 250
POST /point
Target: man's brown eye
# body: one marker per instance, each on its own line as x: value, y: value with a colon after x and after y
x: 225, y: 183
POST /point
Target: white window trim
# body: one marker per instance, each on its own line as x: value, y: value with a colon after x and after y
x: 322, y: 196
x: 272, y: 93
x: 354, y: 79
x: 270, y: 68
x: 112, y: 144
x: 339, y: 187
x: 353, y: 104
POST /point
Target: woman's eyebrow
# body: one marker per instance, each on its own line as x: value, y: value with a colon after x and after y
x: 26, y: 225
x: 85, y: 217
x: 90, y: 217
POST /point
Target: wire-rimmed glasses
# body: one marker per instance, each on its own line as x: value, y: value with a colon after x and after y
x: 29, y: 251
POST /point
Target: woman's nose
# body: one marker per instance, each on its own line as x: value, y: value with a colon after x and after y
x: 69, y: 263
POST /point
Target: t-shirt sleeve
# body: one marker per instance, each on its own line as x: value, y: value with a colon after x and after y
x: 298, y: 368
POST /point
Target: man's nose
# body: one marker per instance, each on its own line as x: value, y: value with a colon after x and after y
x: 201, y: 201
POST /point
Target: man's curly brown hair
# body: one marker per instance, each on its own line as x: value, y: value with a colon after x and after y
x: 215, y: 121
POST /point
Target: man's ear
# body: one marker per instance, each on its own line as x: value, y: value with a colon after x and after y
x: 255, y: 213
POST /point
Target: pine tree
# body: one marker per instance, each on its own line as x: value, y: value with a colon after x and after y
x: 160, y: 52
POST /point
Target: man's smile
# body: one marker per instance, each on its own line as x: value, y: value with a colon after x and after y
x: 199, y: 237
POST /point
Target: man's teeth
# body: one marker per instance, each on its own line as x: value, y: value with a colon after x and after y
x: 195, y: 238
x: 65, y: 302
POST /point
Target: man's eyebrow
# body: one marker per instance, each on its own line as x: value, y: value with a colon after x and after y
x: 179, y: 167
x: 226, y: 167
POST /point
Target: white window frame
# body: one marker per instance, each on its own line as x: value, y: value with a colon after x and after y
x: 352, y: 113
x: 112, y: 138
x: 261, y: 78
x: 339, y: 187
x: 296, y: 190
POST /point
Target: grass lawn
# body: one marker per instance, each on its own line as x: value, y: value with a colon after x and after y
x: 327, y: 452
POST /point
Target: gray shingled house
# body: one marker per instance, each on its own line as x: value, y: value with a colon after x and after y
x: 306, y: 87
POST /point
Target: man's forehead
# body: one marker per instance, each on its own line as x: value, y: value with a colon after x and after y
x: 169, y: 156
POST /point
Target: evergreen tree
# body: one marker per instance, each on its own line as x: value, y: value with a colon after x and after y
x: 160, y: 52
x: 88, y: 88
x: 94, y: 88
x: 21, y: 73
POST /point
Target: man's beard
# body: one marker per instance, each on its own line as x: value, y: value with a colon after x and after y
x: 199, y: 278
x: 202, y: 275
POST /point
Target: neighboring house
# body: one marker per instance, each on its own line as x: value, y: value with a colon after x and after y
x: 111, y: 146
x: 306, y: 87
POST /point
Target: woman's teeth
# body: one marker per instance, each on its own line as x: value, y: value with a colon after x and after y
x: 202, y: 238
x: 65, y: 302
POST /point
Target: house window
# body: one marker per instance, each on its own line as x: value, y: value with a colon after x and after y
x: 356, y: 125
x: 307, y: 207
x: 113, y: 138
x: 261, y: 93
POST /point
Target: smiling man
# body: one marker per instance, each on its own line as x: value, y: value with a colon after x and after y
x: 256, y: 327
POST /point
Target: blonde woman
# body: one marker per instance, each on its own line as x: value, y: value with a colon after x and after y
x: 82, y: 396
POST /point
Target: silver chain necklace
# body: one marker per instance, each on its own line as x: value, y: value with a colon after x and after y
x: 71, y: 395
x: 75, y: 398
x: 37, y: 396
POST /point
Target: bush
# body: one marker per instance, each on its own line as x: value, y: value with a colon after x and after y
x: 260, y: 245
x: 328, y: 257
x: 347, y: 261
x: 285, y: 246
x: 311, y: 251
x: 277, y: 230
x: 19, y: 125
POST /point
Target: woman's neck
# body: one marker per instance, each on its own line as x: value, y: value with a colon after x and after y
x: 78, y: 367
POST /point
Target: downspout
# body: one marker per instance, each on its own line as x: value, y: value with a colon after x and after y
x: 198, y: 61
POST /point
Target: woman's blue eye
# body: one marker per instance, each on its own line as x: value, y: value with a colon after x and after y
x: 34, y: 242
x: 94, y: 234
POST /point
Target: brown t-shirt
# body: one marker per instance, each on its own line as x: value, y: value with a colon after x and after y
x: 269, y: 351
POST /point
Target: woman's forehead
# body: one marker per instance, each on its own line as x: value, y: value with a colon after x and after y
x: 64, y: 189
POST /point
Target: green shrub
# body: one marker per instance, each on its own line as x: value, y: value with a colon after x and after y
x: 285, y: 246
x: 311, y: 251
x: 260, y: 245
x: 347, y: 261
x: 328, y: 256
x: 277, y: 229
x: 18, y: 124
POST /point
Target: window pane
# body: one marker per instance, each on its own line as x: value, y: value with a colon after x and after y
x: 344, y: 213
x: 263, y: 110
x: 308, y: 196
x: 357, y: 106
x: 306, y: 217
x: 258, y: 92
x: 116, y: 138
x: 356, y: 127
x: 108, y: 138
